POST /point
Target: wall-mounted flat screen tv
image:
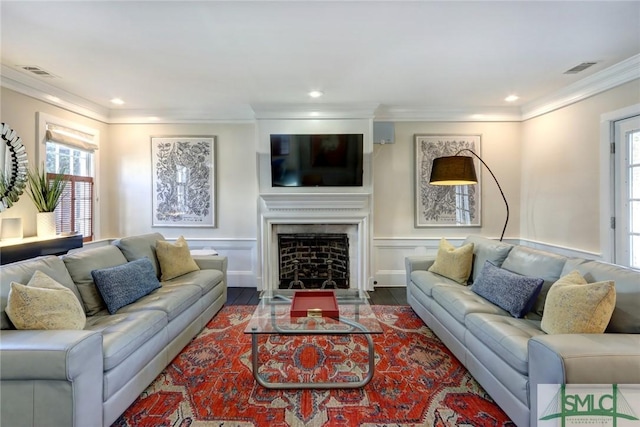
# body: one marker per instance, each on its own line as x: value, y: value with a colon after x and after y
x: 323, y: 160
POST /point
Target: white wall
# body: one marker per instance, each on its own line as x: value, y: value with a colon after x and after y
x: 19, y: 112
x: 393, y: 182
x: 126, y: 206
x: 548, y: 167
x: 561, y: 158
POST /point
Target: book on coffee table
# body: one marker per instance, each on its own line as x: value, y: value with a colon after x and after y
x: 314, y: 304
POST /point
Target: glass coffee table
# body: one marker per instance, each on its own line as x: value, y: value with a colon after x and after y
x: 272, y: 317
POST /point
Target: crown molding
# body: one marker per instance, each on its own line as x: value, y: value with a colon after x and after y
x: 620, y: 73
x: 616, y: 75
x: 432, y: 114
x: 35, y: 88
x: 239, y: 114
x: 314, y: 111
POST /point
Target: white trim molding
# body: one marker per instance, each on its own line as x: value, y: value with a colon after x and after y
x: 613, y: 76
x: 618, y: 74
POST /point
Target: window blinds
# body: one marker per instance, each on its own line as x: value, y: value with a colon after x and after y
x: 75, y: 210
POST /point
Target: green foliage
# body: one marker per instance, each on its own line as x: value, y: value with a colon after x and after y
x: 44, y: 193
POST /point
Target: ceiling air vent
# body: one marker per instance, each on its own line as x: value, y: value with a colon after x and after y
x: 33, y: 69
x: 580, y: 67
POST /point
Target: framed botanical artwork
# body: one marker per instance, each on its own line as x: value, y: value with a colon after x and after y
x: 184, y: 181
x: 445, y: 206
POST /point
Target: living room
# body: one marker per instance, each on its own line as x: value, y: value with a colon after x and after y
x: 555, y: 139
x: 550, y: 151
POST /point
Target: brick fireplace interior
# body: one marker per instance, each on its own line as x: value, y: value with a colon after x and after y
x: 313, y: 260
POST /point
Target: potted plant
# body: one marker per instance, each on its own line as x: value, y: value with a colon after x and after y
x: 45, y: 194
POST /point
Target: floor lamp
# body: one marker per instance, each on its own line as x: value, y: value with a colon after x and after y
x: 459, y: 170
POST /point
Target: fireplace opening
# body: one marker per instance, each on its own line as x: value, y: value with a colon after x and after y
x: 313, y: 261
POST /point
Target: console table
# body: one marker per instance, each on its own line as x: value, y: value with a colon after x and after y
x: 31, y: 247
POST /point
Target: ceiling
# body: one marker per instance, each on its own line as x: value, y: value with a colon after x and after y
x: 207, y: 60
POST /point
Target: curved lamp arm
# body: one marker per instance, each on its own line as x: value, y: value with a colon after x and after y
x: 497, y: 183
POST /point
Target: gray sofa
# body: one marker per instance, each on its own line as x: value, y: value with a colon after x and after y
x: 510, y: 356
x: 89, y: 377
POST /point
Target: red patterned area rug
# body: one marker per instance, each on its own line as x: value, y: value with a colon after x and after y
x: 417, y: 381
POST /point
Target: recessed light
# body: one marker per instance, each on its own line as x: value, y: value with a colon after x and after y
x: 117, y: 101
x: 512, y: 98
x: 314, y: 114
x: 315, y: 94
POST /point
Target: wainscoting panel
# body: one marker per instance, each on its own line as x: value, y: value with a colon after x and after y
x: 389, y: 255
x: 242, y: 257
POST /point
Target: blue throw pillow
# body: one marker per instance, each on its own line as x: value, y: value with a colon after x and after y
x: 507, y: 290
x: 126, y: 283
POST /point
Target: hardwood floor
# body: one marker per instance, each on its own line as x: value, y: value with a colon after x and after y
x: 381, y: 296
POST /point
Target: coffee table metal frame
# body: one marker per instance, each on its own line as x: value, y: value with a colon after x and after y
x: 279, y: 322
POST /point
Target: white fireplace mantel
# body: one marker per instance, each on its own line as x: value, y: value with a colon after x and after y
x: 316, y: 209
x: 316, y: 202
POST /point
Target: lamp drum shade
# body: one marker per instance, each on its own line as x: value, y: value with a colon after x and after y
x: 453, y: 170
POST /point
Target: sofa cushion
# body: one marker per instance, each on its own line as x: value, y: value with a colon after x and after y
x: 81, y: 264
x: 124, y: 333
x: 459, y: 301
x: 174, y: 259
x: 487, y: 250
x: 506, y: 336
x: 532, y: 262
x: 576, y: 307
x: 44, y: 304
x: 126, y: 283
x: 172, y: 299
x: 142, y: 246
x: 426, y: 281
x: 453, y: 263
x: 204, y: 279
x: 22, y: 271
x: 511, y: 291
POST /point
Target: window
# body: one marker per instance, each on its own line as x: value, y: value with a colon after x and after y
x: 633, y: 165
x: 71, y: 152
x: 627, y: 182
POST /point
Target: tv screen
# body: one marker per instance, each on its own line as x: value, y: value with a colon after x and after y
x: 325, y: 160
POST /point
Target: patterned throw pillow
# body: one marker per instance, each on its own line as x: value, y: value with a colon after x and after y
x: 574, y: 306
x: 44, y: 304
x: 454, y: 263
x: 126, y: 283
x: 509, y: 291
x: 175, y: 259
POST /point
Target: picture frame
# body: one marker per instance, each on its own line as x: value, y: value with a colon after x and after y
x: 445, y: 206
x: 184, y: 181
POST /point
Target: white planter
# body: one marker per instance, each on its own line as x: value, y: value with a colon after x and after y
x: 46, y: 224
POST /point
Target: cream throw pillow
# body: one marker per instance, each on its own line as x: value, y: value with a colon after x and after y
x: 574, y: 306
x: 454, y: 263
x: 44, y: 304
x: 175, y: 259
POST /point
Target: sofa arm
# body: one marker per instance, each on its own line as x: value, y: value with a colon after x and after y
x: 415, y: 263
x: 51, y: 378
x: 585, y: 359
x: 582, y: 359
x: 212, y: 262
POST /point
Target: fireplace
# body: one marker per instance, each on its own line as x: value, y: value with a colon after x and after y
x: 322, y: 222
x: 313, y: 261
